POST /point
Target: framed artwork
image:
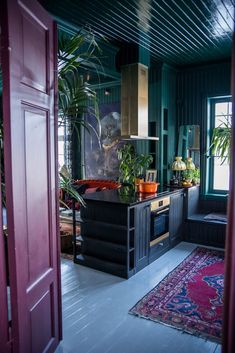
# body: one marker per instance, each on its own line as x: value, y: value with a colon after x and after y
x: 100, y: 154
x: 151, y: 175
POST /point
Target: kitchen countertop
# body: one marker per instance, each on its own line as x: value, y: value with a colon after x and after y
x: 125, y: 197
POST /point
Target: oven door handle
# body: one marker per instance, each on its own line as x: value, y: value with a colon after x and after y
x: 162, y: 211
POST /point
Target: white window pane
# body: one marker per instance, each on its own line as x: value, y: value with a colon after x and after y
x: 61, y: 160
x: 61, y: 131
x: 219, y: 120
x: 230, y: 107
x: 221, y: 108
x: 221, y: 175
x: 61, y: 147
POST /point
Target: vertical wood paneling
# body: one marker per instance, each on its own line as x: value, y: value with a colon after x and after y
x: 113, y: 96
x: 196, y: 84
x: 163, y: 97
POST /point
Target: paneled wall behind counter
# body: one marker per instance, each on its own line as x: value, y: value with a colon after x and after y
x: 162, y: 118
x: 194, y: 85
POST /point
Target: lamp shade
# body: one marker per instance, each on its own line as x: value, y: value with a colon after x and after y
x: 178, y: 164
x: 189, y: 163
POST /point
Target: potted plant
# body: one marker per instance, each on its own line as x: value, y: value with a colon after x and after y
x: 132, y: 165
x: 143, y: 161
x: 221, y: 141
x: 67, y: 189
x: 127, y: 166
x: 187, y: 177
x: 196, y: 176
x: 75, y: 97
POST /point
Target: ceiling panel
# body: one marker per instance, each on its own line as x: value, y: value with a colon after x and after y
x: 178, y: 32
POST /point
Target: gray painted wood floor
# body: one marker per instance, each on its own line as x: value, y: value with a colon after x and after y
x: 95, y: 311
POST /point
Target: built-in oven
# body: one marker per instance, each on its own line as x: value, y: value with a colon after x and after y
x: 159, y: 220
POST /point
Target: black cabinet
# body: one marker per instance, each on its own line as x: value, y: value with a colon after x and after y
x: 142, y: 235
x: 176, y: 216
x: 118, y: 237
x: 114, y: 238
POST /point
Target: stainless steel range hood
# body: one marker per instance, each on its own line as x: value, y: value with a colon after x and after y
x: 134, y: 103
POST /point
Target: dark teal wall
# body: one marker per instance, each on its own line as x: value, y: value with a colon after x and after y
x: 182, y: 96
x: 176, y: 97
x: 194, y: 85
x: 113, y: 97
x: 162, y: 111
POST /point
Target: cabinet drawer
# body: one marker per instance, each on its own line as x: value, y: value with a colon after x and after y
x: 159, y: 248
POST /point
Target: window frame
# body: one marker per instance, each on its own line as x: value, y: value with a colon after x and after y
x: 212, y: 101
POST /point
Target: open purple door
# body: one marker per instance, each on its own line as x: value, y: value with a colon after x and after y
x: 229, y: 294
x: 29, y: 76
x: 5, y: 345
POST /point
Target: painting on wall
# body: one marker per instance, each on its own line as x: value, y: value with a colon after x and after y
x: 100, y: 155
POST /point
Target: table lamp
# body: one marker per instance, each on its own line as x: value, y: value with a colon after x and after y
x: 178, y: 165
x: 189, y: 164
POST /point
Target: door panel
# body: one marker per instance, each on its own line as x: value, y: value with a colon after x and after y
x: 4, y: 325
x: 4, y: 333
x: 29, y: 62
x: 142, y: 234
x: 229, y: 284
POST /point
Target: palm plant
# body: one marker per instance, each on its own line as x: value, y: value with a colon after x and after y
x: 75, y: 97
x: 66, y: 185
x: 221, y: 140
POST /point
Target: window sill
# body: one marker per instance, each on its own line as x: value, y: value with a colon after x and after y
x: 215, y: 196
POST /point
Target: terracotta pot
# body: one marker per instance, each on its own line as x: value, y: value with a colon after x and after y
x: 148, y: 187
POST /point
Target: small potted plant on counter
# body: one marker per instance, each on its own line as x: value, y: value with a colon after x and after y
x: 196, y: 176
x: 132, y: 166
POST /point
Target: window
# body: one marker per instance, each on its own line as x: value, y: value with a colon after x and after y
x: 220, y: 110
x: 61, y: 145
x: 64, y: 147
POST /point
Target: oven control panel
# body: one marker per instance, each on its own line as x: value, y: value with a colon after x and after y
x: 160, y: 203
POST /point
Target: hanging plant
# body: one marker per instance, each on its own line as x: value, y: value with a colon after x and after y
x: 221, y: 141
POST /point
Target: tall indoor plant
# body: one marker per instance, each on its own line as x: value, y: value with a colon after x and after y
x: 76, y: 98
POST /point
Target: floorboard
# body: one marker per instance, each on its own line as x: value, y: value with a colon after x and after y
x: 95, y: 311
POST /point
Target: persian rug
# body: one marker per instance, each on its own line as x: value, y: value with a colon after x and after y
x: 190, y: 298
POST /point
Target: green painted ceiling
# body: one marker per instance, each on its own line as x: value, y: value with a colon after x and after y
x: 178, y: 32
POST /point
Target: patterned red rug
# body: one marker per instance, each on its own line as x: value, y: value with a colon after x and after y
x: 189, y: 298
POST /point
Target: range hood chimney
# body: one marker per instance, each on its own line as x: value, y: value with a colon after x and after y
x: 134, y: 102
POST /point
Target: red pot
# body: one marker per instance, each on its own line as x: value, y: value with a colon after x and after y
x: 148, y: 187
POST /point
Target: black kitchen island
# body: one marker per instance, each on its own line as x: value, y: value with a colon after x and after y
x: 122, y: 232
